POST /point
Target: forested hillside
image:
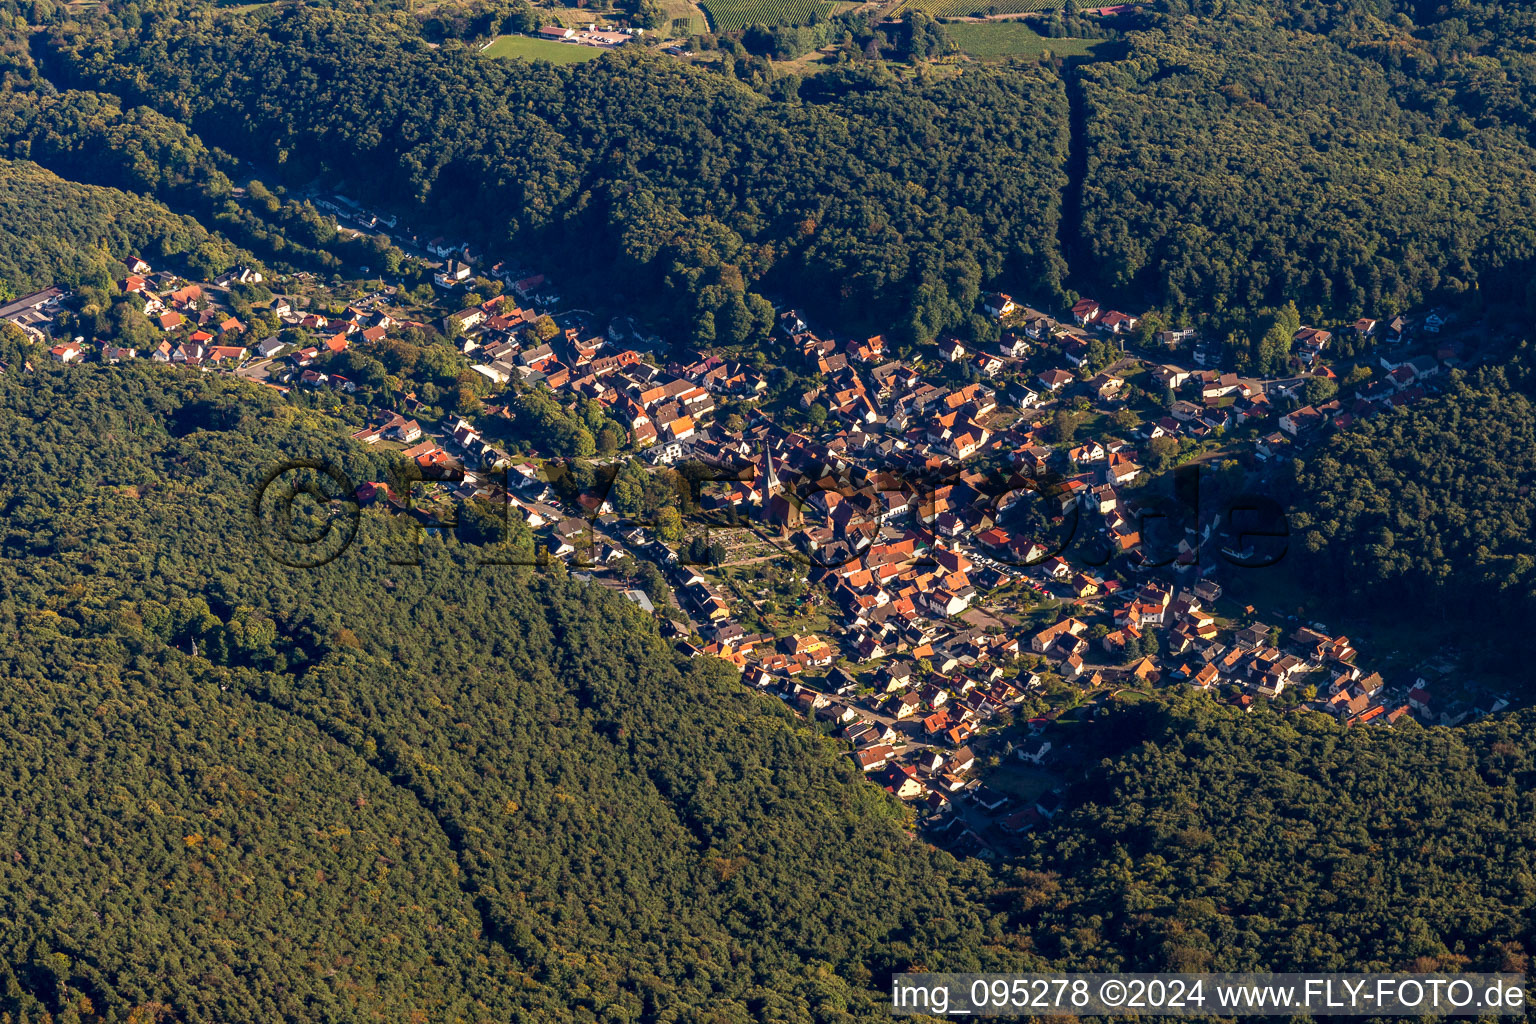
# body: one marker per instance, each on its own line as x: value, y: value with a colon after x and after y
x: 1353, y: 156
x: 907, y: 197
x: 1430, y: 509
x: 1244, y: 166
x: 57, y: 231
x: 458, y: 791
x: 1229, y: 842
x: 91, y: 138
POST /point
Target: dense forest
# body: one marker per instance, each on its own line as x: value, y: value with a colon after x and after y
x: 1219, y: 841
x: 1430, y: 508
x: 1316, y: 153
x: 57, y: 231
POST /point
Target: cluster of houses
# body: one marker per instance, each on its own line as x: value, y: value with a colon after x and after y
x: 905, y: 538
x: 198, y: 329
x: 909, y: 728
x: 914, y: 497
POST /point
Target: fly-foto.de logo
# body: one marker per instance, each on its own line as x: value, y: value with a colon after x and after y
x: 307, y: 513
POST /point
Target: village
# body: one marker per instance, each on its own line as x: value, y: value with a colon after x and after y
x: 950, y: 563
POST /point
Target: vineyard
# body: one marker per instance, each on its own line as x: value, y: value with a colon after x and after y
x: 966, y: 8
x: 734, y: 15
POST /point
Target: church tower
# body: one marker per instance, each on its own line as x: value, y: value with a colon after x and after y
x: 770, y: 478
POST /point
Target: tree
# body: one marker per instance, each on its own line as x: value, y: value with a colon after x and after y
x: 367, y: 372
x: 669, y: 525
x: 1163, y: 450
x: 609, y: 438
x: 131, y: 327
x: 1271, y: 352
x: 1147, y: 327
x: 1064, y: 426
x: 654, y: 584
x: 1319, y: 390
x: 704, y: 328
x: 14, y: 342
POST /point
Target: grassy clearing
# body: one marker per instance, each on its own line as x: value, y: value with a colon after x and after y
x: 530, y: 49
x: 812, y: 63
x: 683, y: 18
x: 998, y: 40
x: 1274, y: 591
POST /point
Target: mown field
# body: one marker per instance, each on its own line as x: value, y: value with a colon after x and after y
x: 528, y: 48
x: 734, y: 15
x: 997, y: 40
x: 981, y: 8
